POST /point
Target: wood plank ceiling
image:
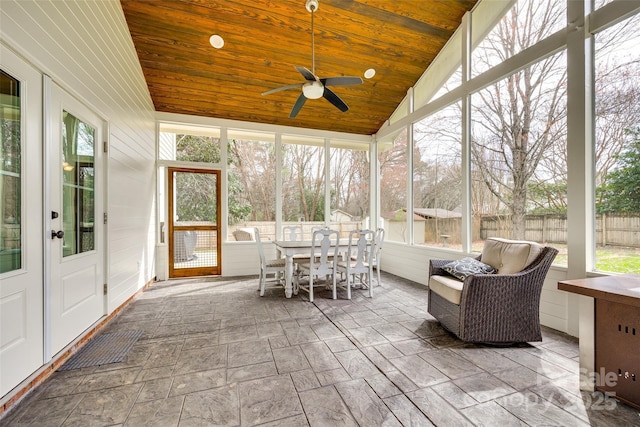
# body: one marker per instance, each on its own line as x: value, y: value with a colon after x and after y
x: 265, y: 39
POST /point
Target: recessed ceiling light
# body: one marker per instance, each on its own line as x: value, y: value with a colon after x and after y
x: 216, y: 41
x: 369, y: 73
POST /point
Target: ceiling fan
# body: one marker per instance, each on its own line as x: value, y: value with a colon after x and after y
x: 315, y: 87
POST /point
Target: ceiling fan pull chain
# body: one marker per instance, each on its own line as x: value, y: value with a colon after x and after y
x: 313, y: 43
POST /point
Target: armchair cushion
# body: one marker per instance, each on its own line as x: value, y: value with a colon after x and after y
x: 509, y: 256
x: 447, y: 287
x: 464, y: 267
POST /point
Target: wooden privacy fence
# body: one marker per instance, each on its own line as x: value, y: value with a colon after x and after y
x: 612, y: 229
x: 267, y: 229
x: 448, y: 230
x: 550, y: 228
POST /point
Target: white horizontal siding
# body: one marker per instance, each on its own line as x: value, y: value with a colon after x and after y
x: 86, y: 48
x: 242, y: 259
x: 398, y: 259
x: 554, y: 304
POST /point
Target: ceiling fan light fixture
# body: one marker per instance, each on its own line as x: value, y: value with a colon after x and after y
x: 369, y: 73
x: 313, y: 90
x: 311, y: 5
x: 216, y: 41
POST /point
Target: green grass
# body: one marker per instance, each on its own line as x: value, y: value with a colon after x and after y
x: 617, y: 261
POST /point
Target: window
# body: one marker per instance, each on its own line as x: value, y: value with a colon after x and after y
x: 10, y: 174
x: 303, y: 182
x: 78, y: 178
x: 349, y: 186
x: 525, y: 24
x: 437, y: 179
x: 189, y: 143
x: 394, y: 167
x: 617, y: 147
x: 183, y: 143
x: 518, y: 167
x: 251, y: 183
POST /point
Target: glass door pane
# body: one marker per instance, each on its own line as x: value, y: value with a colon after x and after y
x: 10, y: 175
x: 78, y: 213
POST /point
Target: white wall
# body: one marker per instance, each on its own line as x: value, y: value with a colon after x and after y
x: 242, y: 259
x: 86, y: 48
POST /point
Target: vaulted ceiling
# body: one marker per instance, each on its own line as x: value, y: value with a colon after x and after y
x: 265, y: 39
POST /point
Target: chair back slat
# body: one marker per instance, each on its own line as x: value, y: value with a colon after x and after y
x: 360, y: 250
x: 324, y: 251
x: 292, y: 233
x: 377, y: 246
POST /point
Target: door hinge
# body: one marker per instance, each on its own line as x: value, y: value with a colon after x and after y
x: 104, y: 289
x: 104, y: 147
x: 104, y: 218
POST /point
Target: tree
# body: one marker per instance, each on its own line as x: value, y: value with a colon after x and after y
x: 239, y: 209
x: 621, y: 193
x: 519, y: 148
x: 252, y: 179
x: 617, y: 104
x: 518, y: 119
x: 543, y: 197
x: 195, y: 197
x: 350, y: 181
x: 10, y: 169
x: 196, y: 148
x: 303, y: 182
x: 437, y: 159
x: 393, y: 175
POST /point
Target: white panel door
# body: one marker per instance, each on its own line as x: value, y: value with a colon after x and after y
x: 76, y: 234
x: 21, y: 235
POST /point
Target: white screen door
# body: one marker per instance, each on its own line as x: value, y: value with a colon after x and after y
x: 21, y: 239
x: 76, y: 233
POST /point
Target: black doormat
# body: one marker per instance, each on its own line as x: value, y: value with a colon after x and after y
x: 103, y: 349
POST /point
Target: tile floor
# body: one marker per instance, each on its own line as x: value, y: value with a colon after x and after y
x: 215, y: 353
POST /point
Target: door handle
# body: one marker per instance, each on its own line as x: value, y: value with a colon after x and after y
x: 59, y: 234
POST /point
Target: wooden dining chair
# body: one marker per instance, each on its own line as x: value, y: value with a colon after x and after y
x: 377, y: 252
x: 269, y: 266
x: 322, y: 262
x: 294, y: 233
x: 357, y: 264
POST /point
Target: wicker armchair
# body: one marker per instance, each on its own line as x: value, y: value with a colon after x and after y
x: 492, y: 308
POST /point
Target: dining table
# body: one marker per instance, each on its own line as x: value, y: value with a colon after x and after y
x: 289, y: 248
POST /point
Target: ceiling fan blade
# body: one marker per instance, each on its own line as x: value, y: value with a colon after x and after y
x: 306, y: 73
x: 297, y: 106
x: 341, y: 81
x: 278, y: 89
x: 330, y: 96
